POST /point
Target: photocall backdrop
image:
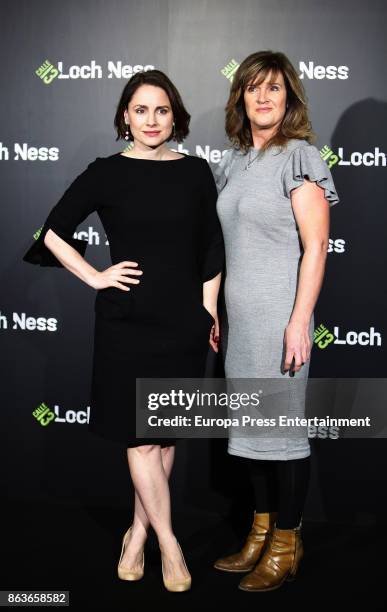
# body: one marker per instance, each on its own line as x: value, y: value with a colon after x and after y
x: 64, y: 65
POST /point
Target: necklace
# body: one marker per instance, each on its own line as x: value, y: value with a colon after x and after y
x: 251, y: 161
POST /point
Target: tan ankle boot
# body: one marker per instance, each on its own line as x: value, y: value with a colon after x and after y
x: 278, y: 563
x: 245, y: 560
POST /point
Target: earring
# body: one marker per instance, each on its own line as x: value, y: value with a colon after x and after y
x: 127, y: 131
x: 174, y: 131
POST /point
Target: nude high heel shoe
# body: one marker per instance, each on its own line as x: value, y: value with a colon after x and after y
x: 123, y: 572
x: 176, y: 586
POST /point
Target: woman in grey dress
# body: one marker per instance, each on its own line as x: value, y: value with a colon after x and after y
x: 274, y: 197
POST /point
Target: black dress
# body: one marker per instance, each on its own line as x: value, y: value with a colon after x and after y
x: 161, y: 214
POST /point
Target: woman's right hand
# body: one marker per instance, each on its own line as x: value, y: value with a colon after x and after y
x: 115, y: 276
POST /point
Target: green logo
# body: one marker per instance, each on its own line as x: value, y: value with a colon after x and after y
x: 37, y: 233
x: 322, y: 336
x: 230, y: 69
x: 43, y: 414
x: 128, y: 148
x: 328, y: 156
x: 47, y: 72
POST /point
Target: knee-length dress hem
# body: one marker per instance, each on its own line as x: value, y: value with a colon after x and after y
x: 263, y: 255
x: 161, y: 214
x: 275, y: 455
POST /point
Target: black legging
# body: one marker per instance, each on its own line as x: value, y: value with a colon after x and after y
x: 280, y: 486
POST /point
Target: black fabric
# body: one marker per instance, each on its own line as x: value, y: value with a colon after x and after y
x: 80, y: 199
x: 161, y: 214
x: 280, y: 486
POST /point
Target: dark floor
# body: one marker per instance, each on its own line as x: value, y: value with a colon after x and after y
x: 77, y: 549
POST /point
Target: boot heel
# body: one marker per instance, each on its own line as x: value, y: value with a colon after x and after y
x: 279, y: 562
x: 292, y: 574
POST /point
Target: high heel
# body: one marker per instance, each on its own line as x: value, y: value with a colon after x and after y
x: 123, y: 572
x: 176, y: 586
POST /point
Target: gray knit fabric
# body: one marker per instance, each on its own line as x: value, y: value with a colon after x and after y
x: 262, y: 260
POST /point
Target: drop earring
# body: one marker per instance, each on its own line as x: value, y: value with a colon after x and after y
x: 127, y: 131
x: 174, y: 131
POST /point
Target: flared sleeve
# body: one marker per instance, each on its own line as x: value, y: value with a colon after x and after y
x: 306, y: 162
x: 212, y: 245
x: 79, y: 200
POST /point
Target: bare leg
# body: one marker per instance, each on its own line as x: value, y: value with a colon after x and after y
x: 132, y: 557
x: 151, y: 483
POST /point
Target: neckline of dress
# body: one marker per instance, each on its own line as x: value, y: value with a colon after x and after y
x: 153, y: 160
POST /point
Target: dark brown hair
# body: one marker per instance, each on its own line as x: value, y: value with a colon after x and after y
x: 158, y: 79
x: 254, y: 69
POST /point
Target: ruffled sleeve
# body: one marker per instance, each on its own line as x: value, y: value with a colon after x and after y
x: 222, y: 169
x: 80, y: 199
x: 306, y: 162
x: 212, y: 245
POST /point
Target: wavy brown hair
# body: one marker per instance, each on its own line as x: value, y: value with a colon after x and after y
x: 254, y: 69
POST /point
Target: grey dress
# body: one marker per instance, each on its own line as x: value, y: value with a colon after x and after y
x: 263, y: 253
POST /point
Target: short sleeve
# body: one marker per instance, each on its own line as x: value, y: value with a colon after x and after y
x: 222, y: 169
x: 212, y: 245
x: 79, y: 200
x: 306, y: 162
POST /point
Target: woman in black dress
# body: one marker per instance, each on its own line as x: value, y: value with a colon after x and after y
x: 156, y: 306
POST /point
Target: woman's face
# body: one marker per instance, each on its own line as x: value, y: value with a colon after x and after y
x: 266, y: 103
x: 149, y: 115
